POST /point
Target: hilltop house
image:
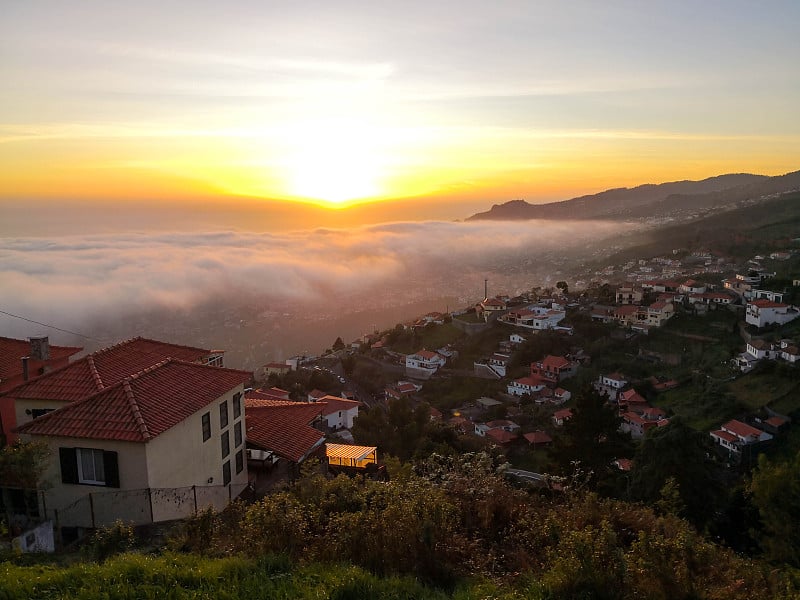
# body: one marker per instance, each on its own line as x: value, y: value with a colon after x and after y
x: 96, y: 372
x: 629, y: 294
x: 174, y: 424
x: 535, y: 317
x: 526, y: 385
x: 339, y: 413
x: 424, y: 363
x: 735, y: 435
x: 553, y: 369
x: 610, y: 385
x: 761, y: 313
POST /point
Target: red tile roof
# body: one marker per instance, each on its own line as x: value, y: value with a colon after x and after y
x: 142, y: 406
x: 284, y: 429
x: 12, y: 351
x: 426, y: 354
x: 728, y: 437
x: 624, y: 464
x: 743, y: 430
x: 631, y: 396
x: 768, y: 304
x: 103, y: 369
x: 538, y: 437
x: 555, y: 362
x: 334, y: 404
x: 776, y: 421
x: 564, y: 413
x: 501, y: 436
x: 270, y: 394
x: 529, y: 381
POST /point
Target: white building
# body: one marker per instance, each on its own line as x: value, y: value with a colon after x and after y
x: 526, y: 385
x: 761, y: 313
x: 426, y: 360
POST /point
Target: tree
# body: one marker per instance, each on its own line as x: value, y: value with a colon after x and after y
x: 672, y: 467
x: 338, y: 344
x: 591, y: 438
x: 775, y: 490
x: 562, y: 285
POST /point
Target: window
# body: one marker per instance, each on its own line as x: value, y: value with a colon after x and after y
x: 239, y: 461
x: 223, y: 415
x: 226, y: 444
x: 226, y: 473
x: 237, y: 405
x: 206, y: 426
x: 237, y: 434
x: 89, y: 466
x: 38, y: 412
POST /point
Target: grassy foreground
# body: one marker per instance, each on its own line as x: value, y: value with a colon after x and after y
x: 183, y: 576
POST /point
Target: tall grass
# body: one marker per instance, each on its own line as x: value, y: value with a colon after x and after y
x: 184, y: 576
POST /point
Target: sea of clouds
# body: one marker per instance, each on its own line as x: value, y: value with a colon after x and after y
x: 72, y: 279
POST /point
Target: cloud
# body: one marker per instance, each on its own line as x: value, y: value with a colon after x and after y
x: 69, y: 281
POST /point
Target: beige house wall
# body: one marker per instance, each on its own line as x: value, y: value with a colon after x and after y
x: 21, y: 405
x: 131, y: 461
x: 179, y: 457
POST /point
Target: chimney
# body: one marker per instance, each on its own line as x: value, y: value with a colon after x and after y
x: 40, y: 348
x: 25, y: 360
x: 486, y: 289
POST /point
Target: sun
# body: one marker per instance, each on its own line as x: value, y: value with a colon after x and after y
x: 336, y: 161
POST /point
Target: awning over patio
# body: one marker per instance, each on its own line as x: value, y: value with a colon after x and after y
x: 343, y: 455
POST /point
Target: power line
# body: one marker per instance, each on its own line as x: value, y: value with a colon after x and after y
x: 88, y: 337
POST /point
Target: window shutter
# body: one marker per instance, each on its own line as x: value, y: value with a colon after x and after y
x: 69, y: 465
x: 111, y: 467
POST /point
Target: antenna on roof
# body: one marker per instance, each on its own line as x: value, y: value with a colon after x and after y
x: 485, y: 289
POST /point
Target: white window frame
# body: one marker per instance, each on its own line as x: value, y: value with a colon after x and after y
x: 86, y: 478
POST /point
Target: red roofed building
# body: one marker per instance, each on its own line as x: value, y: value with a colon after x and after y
x: 96, y: 372
x: 501, y: 436
x: 553, y: 369
x: 174, y: 424
x: 538, y: 438
x: 734, y: 435
x: 631, y: 400
x: 284, y: 429
x: 761, y: 313
x: 560, y: 416
x: 526, y: 385
x: 21, y: 361
x: 424, y: 363
x: 339, y: 413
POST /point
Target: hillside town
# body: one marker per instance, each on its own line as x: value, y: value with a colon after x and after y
x: 149, y: 431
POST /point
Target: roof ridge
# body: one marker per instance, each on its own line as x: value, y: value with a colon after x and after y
x: 134, y: 406
x: 95, y: 375
x: 152, y: 368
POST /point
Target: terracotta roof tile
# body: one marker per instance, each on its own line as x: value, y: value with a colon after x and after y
x: 538, y: 437
x: 12, y: 351
x: 334, y: 404
x: 140, y: 407
x: 103, y: 369
x: 284, y: 429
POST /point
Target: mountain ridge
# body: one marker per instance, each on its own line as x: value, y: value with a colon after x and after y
x: 645, y: 201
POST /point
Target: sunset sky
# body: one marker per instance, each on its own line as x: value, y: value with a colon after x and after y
x: 460, y: 103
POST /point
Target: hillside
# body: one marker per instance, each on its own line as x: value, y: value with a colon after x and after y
x: 666, y: 200
x: 738, y: 232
